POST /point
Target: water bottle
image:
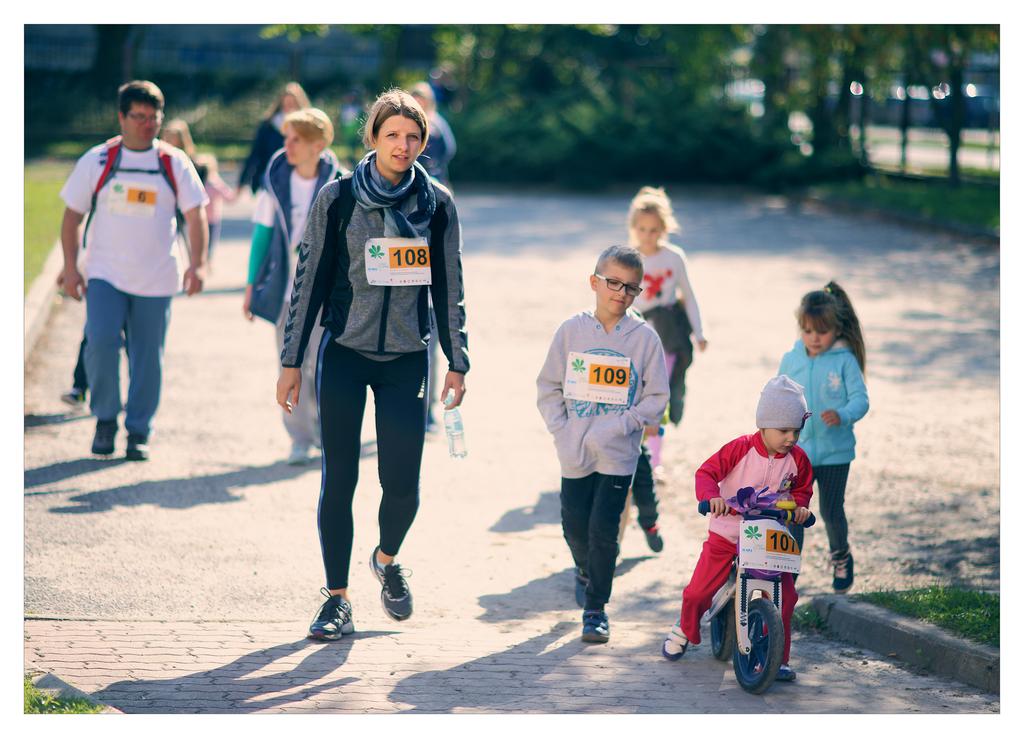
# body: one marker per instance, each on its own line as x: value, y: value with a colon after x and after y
x: 453, y: 428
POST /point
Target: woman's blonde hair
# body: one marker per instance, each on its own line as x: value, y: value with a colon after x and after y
x: 395, y: 102
x: 312, y: 124
x: 654, y: 201
x: 179, y: 128
x: 295, y: 90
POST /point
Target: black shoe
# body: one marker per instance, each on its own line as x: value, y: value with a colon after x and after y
x: 74, y: 397
x: 675, y: 410
x: 595, y: 626
x: 138, y: 447
x: 103, y: 441
x: 785, y: 674
x: 333, y: 620
x: 654, y: 539
x: 394, y: 594
x: 582, y: 580
x: 842, y: 571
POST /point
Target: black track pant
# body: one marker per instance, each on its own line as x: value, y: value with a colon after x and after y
x: 591, y: 510
x: 398, y: 386
x: 644, y: 496
x: 831, y: 479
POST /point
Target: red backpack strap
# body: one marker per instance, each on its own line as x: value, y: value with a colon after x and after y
x: 166, y: 167
x: 113, y: 157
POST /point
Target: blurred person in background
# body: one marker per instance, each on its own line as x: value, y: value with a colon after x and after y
x: 293, y: 178
x: 269, y: 137
x: 132, y: 187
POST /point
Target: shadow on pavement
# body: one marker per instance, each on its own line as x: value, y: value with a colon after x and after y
x: 235, y: 686
x: 180, y: 493
x: 36, y: 421
x: 546, y: 511
x: 552, y: 593
x: 66, y: 469
x: 492, y: 685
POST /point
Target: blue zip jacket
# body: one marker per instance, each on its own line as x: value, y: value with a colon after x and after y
x: 832, y: 381
x: 272, y: 278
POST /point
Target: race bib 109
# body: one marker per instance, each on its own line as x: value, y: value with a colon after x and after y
x: 593, y: 378
x: 396, y: 262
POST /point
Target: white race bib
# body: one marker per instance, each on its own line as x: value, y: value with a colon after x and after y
x: 767, y: 544
x: 593, y: 378
x: 132, y: 198
x: 397, y: 262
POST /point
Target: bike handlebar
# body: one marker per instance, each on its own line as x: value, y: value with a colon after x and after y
x: 784, y: 516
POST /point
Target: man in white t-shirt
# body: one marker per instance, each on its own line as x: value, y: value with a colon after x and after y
x: 131, y: 259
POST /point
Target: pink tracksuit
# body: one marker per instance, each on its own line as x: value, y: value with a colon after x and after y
x: 743, y: 462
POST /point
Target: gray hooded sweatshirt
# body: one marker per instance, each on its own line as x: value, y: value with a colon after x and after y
x: 593, y: 436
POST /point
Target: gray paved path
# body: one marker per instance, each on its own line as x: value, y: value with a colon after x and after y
x: 216, y: 528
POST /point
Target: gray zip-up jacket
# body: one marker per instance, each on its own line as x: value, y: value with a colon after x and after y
x: 594, y: 436
x: 379, y: 322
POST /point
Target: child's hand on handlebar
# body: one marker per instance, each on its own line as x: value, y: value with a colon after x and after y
x: 800, y: 514
x: 718, y: 507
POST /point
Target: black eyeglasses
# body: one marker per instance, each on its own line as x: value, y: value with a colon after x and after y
x: 616, y: 285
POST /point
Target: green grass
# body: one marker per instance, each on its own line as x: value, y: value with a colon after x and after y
x: 807, y: 619
x: 37, y: 701
x: 965, y: 612
x: 43, y: 212
x: 970, y: 204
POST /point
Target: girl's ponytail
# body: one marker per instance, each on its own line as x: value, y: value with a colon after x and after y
x: 849, y: 324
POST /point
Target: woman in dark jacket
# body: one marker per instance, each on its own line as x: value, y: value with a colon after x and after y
x: 377, y: 241
x: 269, y: 137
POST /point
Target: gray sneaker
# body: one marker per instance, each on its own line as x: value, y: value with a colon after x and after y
x: 394, y: 594
x: 333, y: 620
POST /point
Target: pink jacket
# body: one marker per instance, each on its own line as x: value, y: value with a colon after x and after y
x: 744, y: 462
x: 218, y: 191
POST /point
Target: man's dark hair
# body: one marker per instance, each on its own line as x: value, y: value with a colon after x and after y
x: 139, y: 91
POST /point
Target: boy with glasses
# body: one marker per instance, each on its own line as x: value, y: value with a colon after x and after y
x: 604, y: 380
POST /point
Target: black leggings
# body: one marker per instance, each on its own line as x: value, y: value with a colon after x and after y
x: 398, y: 386
x: 831, y: 479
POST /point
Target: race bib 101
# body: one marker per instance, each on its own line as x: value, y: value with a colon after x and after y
x: 767, y: 544
x: 132, y: 198
x: 593, y: 378
x: 397, y: 262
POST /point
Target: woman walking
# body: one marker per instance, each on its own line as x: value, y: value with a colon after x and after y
x: 376, y: 242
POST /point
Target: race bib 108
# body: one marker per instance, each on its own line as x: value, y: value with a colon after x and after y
x: 396, y: 262
x: 593, y: 378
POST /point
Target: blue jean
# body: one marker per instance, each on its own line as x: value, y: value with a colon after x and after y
x: 109, y: 311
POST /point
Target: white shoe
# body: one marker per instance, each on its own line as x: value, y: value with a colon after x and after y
x: 675, y: 644
x: 299, y: 454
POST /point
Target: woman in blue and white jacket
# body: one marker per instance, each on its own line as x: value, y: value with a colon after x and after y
x: 828, y: 360
x: 291, y: 182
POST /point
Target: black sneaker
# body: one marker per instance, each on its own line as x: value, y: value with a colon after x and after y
x: 786, y: 674
x: 138, y: 447
x: 394, y: 594
x: 333, y: 620
x: 103, y: 441
x: 842, y: 571
x: 654, y: 539
x: 595, y: 626
x: 74, y: 397
x: 582, y: 580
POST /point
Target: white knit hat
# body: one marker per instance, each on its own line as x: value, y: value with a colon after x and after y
x: 782, y: 404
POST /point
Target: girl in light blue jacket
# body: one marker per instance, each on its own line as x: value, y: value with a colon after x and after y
x: 828, y: 360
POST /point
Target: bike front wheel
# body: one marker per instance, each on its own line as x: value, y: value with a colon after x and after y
x: 723, y: 632
x: 756, y: 670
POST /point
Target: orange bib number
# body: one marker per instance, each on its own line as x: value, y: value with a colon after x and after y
x: 780, y: 542
x: 408, y: 257
x: 609, y: 376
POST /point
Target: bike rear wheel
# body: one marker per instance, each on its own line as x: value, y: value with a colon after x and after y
x: 723, y: 632
x: 756, y: 670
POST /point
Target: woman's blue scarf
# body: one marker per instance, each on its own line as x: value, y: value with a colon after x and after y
x: 408, y: 206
